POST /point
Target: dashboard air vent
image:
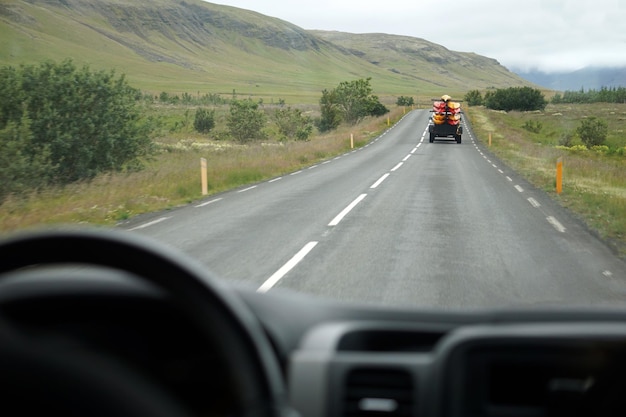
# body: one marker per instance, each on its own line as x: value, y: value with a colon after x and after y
x: 379, y: 393
x: 389, y: 341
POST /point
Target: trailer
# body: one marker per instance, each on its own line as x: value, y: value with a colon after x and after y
x: 446, y: 120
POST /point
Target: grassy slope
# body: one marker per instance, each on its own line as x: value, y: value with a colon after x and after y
x: 193, y: 46
x: 418, y: 60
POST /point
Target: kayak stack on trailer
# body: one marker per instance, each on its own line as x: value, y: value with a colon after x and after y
x: 446, y: 120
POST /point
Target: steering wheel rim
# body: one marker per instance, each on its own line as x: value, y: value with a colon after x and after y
x: 256, y: 373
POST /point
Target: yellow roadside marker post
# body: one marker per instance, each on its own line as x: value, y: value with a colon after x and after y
x: 203, y: 175
x: 559, y: 175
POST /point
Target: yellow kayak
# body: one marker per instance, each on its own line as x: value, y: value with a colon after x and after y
x: 454, y: 105
x: 439, y: 119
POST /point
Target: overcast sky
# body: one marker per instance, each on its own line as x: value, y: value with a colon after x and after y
x: 550, y: 35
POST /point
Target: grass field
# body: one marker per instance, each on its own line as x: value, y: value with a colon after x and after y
x: 594, y: 181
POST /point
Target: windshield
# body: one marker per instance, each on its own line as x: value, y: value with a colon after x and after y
x: 459, y: 156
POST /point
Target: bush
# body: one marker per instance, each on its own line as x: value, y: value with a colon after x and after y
x: 515, y: 98
x: 473, y: 98
x: 350, y: 101
x: 21, y: 170
x: 575, y: 148
x: 566, y: 139
x: 331, y: 116
x: 533, y: 126
x: 292, y: 124
x: 602, y: 149
x: 405, y: 101
x: 204, y: 120
x: 245, y: 122
x: 86, y: 122
x: 593, y: 131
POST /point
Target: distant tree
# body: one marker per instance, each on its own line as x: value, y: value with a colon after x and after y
x: 292, y: 124
x: 245, y: 121
x: 405, y: 101
x: 515, y: 98
x: 350, y: 101
x: 356, y: 100
x: 592, y: 131
x: 204, y: 120
x: 604, y: 95
x: 473, y: 98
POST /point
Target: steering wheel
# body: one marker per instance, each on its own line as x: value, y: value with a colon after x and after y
x: 222, y: 320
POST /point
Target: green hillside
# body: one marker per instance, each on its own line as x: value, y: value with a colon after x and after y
x: 193, y: 46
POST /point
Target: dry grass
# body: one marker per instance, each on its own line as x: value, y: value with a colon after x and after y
x: 594, y: 183
x: 173, y: 177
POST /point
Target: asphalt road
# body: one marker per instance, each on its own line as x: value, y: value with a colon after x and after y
x: 400, y: 222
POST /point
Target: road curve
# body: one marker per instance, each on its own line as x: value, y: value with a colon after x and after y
x: 400, y: 222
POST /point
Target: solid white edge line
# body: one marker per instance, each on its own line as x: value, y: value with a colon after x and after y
x: 380, y: 180
x: 209, y: 202
x: 278, y: 275
x: 149, y: 223
x: 347, y: 210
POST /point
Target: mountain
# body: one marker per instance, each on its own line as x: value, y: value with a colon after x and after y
x: 590, y: 78
x: 419, y: 60
x: 192, y: 45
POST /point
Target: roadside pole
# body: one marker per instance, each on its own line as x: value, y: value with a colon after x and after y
x: 559, y: 175
x: 203, y: 175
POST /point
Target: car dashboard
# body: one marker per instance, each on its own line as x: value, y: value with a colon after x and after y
x: 332, y: 359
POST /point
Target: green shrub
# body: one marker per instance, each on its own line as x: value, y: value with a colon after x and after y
x: 292, y: 124
x: 533, y: 126
x: 350, y: 101
x: 245, y: 121
x: 204, y: 120
x: 85, y: 122
x: 405, y: 101
x: 593, y: 131
x: 515, y: 98
x: 473, y: 98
